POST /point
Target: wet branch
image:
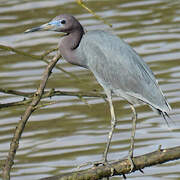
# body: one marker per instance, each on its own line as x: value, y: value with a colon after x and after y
x: 122, y: 167
x: 20, y: 127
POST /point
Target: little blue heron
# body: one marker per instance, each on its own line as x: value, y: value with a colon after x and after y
x: 116, y: 66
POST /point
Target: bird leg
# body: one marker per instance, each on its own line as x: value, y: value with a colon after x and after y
x: 130, y: 155
x: 113, y: 124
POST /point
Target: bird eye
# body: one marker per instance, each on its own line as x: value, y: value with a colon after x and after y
x: 63, y: 22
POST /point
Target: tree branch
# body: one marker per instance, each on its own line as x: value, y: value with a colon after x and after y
x: 8, y: 48
x: 46, y: 94
x: 81, y: 3
x: 14, y: 92
x: 21, y: 125
x: 122, y: 167
x: 41, y: 57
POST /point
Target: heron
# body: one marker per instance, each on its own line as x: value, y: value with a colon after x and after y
x: 116, y: 66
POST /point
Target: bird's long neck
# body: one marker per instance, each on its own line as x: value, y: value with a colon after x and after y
x: 69, y: 44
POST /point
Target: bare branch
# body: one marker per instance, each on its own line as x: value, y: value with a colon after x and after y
x: 21, y: 125
x: 41, y: 57
x: 16, y: 103
x: 80, y: 2
x: 47, y: 94
x: 8, y: 48
x: 18, y: 93
x: 121, y: 167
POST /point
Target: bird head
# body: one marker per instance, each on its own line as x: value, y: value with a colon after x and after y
x: 62, y: 23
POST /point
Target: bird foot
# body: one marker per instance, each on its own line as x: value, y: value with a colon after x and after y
x: 101, y: 162
x: 131, y: 163
x: 104, y: 162
x: 133, y: 166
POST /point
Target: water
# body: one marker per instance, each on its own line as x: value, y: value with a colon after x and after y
x: 61, y: 136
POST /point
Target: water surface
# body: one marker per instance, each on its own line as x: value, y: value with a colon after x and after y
x: 59, y: 137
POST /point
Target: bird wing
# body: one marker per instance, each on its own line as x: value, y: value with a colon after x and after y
x: 119, y: 68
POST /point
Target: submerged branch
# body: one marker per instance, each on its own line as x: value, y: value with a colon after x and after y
x: 21, y: 125
x: 122, y: 167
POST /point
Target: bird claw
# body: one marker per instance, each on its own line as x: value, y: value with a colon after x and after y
x: 133, y: 167
x: 124, y: 176
x: 131, y: 163
x: 101, y: 162
x: 105, y: 163
x: 141, y: 171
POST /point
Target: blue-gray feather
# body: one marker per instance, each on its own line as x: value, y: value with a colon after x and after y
x: 120, y: 69
x: 116, y: 66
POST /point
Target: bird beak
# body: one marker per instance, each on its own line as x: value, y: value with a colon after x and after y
x: 51, y: 26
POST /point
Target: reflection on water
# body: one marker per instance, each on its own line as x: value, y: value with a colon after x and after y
x: 60, y: 136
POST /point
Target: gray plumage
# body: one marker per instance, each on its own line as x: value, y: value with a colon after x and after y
x: 116, y: 66
x: 119, y: 68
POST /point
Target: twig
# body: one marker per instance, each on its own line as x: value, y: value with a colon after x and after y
x: 14, y: 92
x: 121, y: 167
x: 8, y: 48
x: 16, y: 103
x: 41, y: 57
x: 48, y: 52
x: 46, y: 94
x: 80, y: 2
x: 20, y: 127
x: 44, y: 104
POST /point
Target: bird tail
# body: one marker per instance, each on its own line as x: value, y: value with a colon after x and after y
x: 165, y: 116
x: 167, y: 119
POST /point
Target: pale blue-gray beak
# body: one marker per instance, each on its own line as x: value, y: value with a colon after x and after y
x: 51, y: 26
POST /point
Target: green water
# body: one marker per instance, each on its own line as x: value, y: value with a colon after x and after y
x: 61, y: 136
